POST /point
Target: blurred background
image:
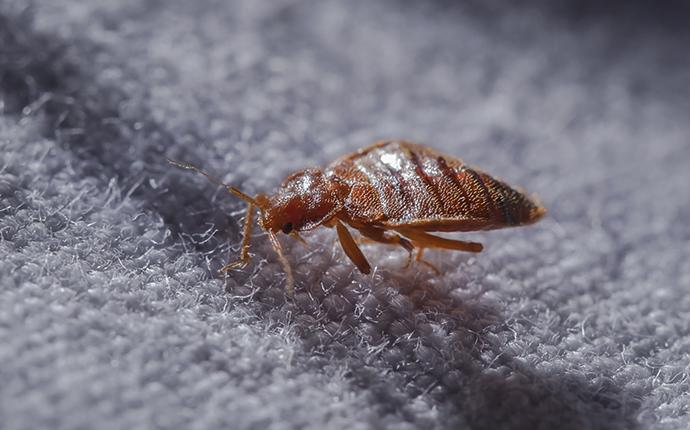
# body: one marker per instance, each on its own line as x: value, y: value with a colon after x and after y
x: 111, y: 307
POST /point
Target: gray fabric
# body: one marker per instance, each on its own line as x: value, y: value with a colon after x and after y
x: 112, y: 314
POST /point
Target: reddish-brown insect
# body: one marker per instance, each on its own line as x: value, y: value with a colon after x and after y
x: 393, y: 192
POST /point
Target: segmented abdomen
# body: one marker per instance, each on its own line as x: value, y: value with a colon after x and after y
x: 401, y: 183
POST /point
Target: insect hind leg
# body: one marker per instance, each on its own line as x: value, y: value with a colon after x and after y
x: 423, y: 239
x: 420, y: 259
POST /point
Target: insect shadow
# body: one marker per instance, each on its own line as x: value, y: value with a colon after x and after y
x: 407, y: 324
x: 511, y: 394
x: 432, y: 343
x: 409, y: 332
x: 507, y: 392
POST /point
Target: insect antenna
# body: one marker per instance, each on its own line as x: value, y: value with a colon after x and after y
x: 217, y: 181
x: 253, y: 203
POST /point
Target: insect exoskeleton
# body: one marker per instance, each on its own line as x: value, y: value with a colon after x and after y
x: 392, y: 192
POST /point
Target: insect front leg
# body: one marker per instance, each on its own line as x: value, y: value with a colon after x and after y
x: 246, y: 242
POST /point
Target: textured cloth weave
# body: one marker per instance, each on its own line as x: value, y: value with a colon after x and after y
x: 113, y: 316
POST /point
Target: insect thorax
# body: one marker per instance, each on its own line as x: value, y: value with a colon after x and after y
x: 305, y: 200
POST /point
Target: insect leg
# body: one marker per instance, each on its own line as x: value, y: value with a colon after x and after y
x: 351, y: 249
x: 426, y: 240
x: 290, y: 280
x: 294, y: 234
x: 420, y: 259
x: 246, y: 242
x: 382, y: 236
x: 388, y: 237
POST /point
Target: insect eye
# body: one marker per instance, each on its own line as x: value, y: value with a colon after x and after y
x: 287, y: 228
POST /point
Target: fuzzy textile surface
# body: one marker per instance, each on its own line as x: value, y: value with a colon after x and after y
x: 113, y: 314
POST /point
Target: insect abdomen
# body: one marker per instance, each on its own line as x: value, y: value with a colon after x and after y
x: 401, y: 183
x: 502, y: 204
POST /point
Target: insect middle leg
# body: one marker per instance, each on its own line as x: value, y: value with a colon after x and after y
x: 390, y: 238
x: 383, y: 236
x: 420, y: 259
x: 351, y: 249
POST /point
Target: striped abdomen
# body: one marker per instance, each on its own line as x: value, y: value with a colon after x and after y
x: 405, y: 184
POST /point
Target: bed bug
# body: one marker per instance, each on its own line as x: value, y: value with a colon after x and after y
x: 392, y: 192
